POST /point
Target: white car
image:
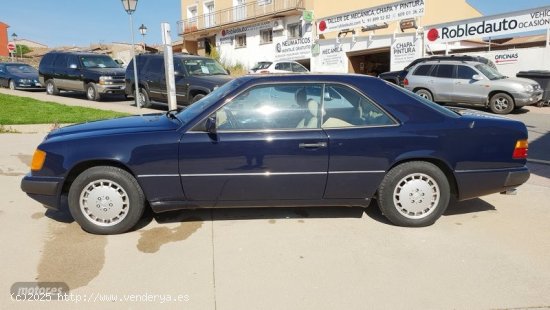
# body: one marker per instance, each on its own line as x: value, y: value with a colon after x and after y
x: 277, y: 67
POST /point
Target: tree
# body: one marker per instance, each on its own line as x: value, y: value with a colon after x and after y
x: 22, y: 49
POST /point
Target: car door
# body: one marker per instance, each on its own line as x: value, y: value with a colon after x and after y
x: 443, y: 82
x: 182, y: 81
x: 467, y: 89
x: 361, y: 133
x: 155, y: 79
x: 60, y: 71
x: 73, y: 73
x: 257, y: 152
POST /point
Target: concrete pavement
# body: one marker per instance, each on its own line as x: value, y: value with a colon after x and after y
x: 484, y: 253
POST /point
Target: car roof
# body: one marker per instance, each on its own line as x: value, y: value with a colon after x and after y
x: 77, y: 53
x: 449, y: 62
x: 176, y: 55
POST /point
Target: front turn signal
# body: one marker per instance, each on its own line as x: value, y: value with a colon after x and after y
x: 520, y: 151
x: 38, y: 160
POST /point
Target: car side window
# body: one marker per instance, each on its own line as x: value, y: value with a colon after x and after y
x: 423, y: 70
x: 444, y: 71
x: 60, y: 61
x: 72, y: 60
x: 465, y: 73
x: 298, y: 68
x: 283, y: 66
x: 155, y: 65
x: 345, y: 107
x: 272, y: 107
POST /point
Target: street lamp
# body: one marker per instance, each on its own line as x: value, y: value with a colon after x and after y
x: 130, y: 8
x: 143, y: 31
x: 14, y: 37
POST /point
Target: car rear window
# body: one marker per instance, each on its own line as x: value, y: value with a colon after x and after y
x: 423, y: 70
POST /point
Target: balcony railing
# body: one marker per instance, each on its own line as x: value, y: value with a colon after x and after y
x: 248, y: 11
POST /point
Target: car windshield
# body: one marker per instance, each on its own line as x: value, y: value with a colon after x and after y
x: 198, y: 107
x: 98, y: 62
x: 262, y: 65
x: 490, y: 73
x: 15, y: 69
x: 203, y: 67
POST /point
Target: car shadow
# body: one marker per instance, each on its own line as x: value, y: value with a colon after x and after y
x: 104, y: 97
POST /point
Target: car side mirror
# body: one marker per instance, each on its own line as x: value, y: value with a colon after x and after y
x: 228, y: 72
x: 210, y: 125
x: 177, y: 73
x: 73, y: 66
x: 477, y: 77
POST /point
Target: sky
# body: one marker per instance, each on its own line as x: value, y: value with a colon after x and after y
x: 84, y: 22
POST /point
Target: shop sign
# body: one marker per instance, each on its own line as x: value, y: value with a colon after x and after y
x: 403, y: 51
x: 490, y: 26
x: 372, y: 16
x: 332, y: 58
x: 506, y: 58
x: 293, y: 49
x: 243, y: 29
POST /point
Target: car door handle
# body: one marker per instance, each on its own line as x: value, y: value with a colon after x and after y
x: 312, y: 145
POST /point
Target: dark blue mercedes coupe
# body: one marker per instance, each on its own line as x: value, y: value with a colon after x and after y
x: 281, y: 140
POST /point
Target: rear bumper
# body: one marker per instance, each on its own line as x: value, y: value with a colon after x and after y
x: 476, y: 183
x: 43, y: 189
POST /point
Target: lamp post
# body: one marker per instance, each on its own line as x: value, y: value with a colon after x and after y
x: 14, y: 37
x: 143, y: 31
x: 130, y: 8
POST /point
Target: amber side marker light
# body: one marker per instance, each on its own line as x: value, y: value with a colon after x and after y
x: 38, y: 160
x: 520, y: 151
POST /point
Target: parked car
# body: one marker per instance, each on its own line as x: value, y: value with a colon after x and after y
x: 94, y: 74
x: 277, y: 67
x: 19, y: 76
x: 471, y: 83
x: 195, y: 78
x: 351, y: 139
x: 397, y: 77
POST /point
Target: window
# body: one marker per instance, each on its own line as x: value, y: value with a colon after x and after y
x: 155, y: 66
x: 209, y: 14
x: 294, y: 31
x: 423, y: 70
x: 344, y: 107
x: 296, y: 67
x: 239, y: 10
x: 272, y: 107
x: 444, y: 71
x: 465, y: 73
x: 192, y: 16
x: 60, y: 61
x: 264, y: 2
x: 241, y: 40
x: 284, y: 66
x: 266, y: 36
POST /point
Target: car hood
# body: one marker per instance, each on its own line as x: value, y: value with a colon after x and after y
x: 130, y: 124
x: 108, y: 71
x: 521, y: 81
x: 32, y: 76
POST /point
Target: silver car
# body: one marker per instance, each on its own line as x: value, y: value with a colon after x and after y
x: 471, y: 83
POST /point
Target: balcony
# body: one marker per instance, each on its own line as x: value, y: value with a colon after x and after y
x: 236, y: 15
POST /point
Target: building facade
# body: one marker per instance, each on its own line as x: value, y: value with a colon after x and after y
x: 322, y: 35
x: 4, y: 52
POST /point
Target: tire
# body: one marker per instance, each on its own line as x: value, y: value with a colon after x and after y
x: 115, y: 194
x: 400, y: 196
x: 143, y: 98
x: 501, y: 103
x: 197, y: 98
x: 424, y: 93
x: 92, y: 93
x: 51, y: 88
x: 11, y: 85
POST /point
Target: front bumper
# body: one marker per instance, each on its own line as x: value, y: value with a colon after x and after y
x: 522, y: 99
x: 29, y: 86
x: 476, y: 183
x: 45, y: 190
x: 112, y: 89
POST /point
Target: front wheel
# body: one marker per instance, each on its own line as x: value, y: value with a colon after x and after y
x: 501, y: 103
x: 92, y: 93
x: 106, y: 200
x: 12, y: 84
x: 414, y: 194
x: 424, y: 93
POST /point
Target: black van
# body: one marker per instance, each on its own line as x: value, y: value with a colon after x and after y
x: 95, y: 74
x: 195, y: 78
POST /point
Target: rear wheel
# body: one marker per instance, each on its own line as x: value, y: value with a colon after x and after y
x: 424, y: 93
x: 143, y: 98
x: 51, y: 88
x: 106, y: 200
x: 501, y: 103
x: 92, y: 93
x: 197, y: 98
x: 414, y: 194
x: 12, y: 85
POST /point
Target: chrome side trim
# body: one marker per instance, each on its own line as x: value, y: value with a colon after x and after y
x: 356, y: 172
x: 250, y: 174
x: 157, y: 175
x: 490, y: 170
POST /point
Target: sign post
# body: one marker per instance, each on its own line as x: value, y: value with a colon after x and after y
x: 11, y: 49
x: 169, y: 66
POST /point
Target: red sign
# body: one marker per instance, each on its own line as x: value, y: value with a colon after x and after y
x: 11, y: 46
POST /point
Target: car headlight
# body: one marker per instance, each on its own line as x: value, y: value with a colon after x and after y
x: 105, y: 80
x: 25, y: 81
x: 529, y: 88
